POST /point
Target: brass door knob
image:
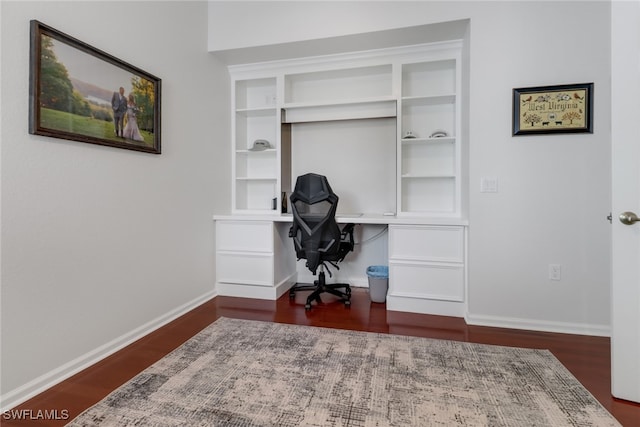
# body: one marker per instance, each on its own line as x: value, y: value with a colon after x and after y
x: 628, y: 218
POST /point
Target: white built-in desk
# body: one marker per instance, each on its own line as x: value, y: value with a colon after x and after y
x: 426, y: 258
x: 389, y: 130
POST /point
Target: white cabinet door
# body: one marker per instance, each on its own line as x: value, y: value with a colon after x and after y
x: 244, y: 236
x: 245, y: 269
x: 440, y: 282
x: 427, y: 272
x: 244, y: 252
x: 426, y: 243
x: 254, y: 258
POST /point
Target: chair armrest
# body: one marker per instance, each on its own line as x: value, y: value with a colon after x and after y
x: 346, y: 241
x: 347, y: 232
x: 293, y: 230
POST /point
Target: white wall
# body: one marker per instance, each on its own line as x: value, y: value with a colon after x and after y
x: 554, y: 191
x: 243, y: 24
x: 102, y: 244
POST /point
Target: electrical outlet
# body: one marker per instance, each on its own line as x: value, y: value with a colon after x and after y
x: 555, y: 272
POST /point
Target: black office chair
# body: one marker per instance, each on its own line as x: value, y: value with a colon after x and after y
x: 317, y: 237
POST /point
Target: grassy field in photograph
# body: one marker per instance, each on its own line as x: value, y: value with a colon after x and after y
x: 86, y: 126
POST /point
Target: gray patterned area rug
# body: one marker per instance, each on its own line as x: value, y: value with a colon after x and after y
x: 251, y: 373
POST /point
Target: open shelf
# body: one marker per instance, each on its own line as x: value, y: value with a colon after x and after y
x: 425, y: 117
x: 429, y: 140
x: 429, y: 100
x: 255, y: 194
x: 363, y: 108
x: 428, y: 195
x: 429, y: 78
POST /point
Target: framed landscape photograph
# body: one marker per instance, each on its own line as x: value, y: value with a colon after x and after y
x: 80, y: 93
x: 553, y: 109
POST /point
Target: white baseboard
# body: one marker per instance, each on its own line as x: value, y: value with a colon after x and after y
x: 425, y: 306
x: 539, y: 325
x: 51, y: 378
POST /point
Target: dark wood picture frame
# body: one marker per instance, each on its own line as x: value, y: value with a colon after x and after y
x: 74, y: 88
x: 553, y: 109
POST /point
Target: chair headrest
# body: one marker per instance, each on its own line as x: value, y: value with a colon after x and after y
x: 313, y: 188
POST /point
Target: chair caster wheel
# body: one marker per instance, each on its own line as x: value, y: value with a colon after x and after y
x: 292, y: 295
x: 347, y: 303
x: 307, y: 306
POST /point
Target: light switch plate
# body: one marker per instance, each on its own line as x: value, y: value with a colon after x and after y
x: 489, y: 185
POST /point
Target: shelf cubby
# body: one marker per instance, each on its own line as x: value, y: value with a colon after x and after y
x: 432, y: 157
x: 255, y: 94
x: 255, y: 124
x: 256, y: 164
x: 429, y: 78
x: 255, y: 194
x: 428, y: 195
x: 425, y: 115
x: 338, y: 85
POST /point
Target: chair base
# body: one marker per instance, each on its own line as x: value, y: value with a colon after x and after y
x: 320, y: 286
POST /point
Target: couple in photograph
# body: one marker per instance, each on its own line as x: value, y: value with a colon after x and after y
x: 125, y: 107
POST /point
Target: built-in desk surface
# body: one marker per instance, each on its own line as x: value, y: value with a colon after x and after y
x: 355, y: 218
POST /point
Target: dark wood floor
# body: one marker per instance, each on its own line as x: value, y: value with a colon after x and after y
x: 588, y: 358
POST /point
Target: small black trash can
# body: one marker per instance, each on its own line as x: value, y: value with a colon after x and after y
x: 378, y: 282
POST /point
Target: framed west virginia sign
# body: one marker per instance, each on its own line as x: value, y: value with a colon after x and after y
x: 553, y: 109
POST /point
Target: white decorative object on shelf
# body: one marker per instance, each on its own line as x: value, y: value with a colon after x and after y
x: 409, y: 135
x: 260, y: 145
x: 439, y: 133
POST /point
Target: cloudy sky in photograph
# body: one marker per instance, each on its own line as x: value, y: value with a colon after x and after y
x: 90, y: 69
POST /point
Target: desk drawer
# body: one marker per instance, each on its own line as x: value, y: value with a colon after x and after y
x: 427, y: 281
x: 245, y: 269
x: 426, y: 243
x: 247, y: 236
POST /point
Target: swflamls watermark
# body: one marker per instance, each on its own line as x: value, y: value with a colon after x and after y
x: 36, y: 414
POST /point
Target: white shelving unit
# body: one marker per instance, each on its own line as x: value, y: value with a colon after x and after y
x: 430, y: 166
x: 256, y: 174
x: 308, y: 106
x: 419, y: 86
